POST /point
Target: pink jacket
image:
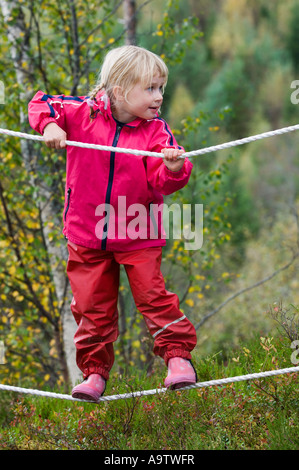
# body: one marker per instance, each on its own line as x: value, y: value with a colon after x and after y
x: 109, y: 196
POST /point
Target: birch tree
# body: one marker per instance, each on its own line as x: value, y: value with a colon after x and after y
x: 130, y: 21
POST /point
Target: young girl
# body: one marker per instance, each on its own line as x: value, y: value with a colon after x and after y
x: 103, y: 192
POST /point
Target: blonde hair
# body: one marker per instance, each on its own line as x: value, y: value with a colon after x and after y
x: 126, y: 66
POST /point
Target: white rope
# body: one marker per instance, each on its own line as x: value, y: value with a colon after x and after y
x: 194, y: 153
x: 246, y: 140
x: 142, y: 393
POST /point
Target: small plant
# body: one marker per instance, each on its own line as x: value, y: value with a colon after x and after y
x: 288, y: 320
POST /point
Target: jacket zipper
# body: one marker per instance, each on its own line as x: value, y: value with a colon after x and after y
x: 68, y: 202
x: 110, y: 180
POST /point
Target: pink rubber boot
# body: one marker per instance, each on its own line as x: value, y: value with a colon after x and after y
x: 90, y: 389
x: 180, y: 373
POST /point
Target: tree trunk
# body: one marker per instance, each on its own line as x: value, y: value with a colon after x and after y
x: 130, y: 21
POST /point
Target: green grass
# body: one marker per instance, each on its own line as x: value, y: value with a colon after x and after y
x: 248, y: 415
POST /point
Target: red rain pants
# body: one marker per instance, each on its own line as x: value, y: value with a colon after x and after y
x: 94, y: 279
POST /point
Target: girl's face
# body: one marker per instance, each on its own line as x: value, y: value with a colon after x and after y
x: 141, y: 102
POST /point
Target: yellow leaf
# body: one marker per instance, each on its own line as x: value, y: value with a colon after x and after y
x: 189, y: 302
x: 53, y: 352
x: 12, y: 270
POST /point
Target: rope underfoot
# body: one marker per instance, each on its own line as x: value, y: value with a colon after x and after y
x: 193, y: 153
x: 142, y: 393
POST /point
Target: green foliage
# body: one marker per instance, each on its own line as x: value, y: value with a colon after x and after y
x: 292, y: 37
x: 250, y: 415
x: 29, y: 310
x: 243, y: 213
x: 228, y: 90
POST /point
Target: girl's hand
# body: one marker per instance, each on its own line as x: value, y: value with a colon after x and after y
x: 54, y: 136
x: 171, y: 159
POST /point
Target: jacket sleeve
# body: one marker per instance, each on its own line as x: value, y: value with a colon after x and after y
x: 159, y: 176
x: 43, y: 109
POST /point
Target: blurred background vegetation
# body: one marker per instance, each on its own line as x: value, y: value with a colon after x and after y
x: 231, y: 63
